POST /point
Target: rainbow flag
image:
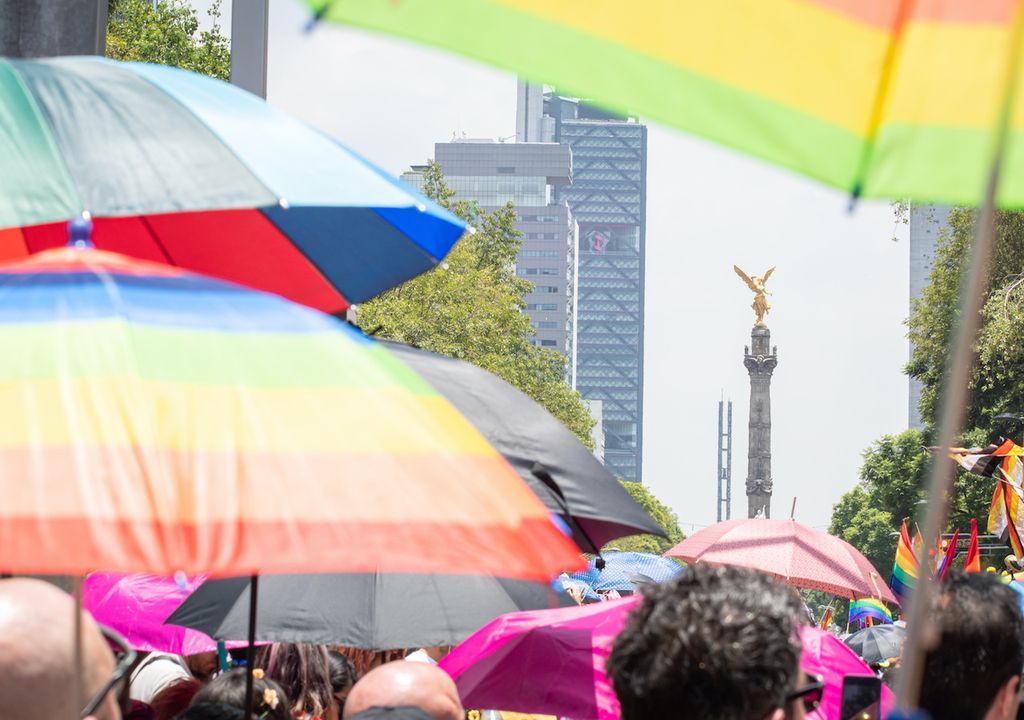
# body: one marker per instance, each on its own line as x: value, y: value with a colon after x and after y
x: 868, y: 611
x: 904, y: 567
x: 1004, y: 463
x: 972, y: 563
x: 826, y: 619
x: 948, y: 556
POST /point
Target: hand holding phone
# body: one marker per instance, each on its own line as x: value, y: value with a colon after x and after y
x: 862, y: 698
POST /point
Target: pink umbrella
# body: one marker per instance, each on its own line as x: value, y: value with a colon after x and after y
x: 799, y: 555
x: 542, y: 661
x: 827, y: 656
x: 552, y: 662
x: 136, y: 605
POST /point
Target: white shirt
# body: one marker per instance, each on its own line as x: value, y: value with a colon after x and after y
x: 156, y: 672
x: 420, y: 656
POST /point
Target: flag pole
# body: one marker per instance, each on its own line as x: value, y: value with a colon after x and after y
x: 955, y: 386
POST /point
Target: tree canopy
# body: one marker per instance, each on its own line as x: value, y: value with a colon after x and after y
x: 893, y: 474
x: 661, y: 514
x: 471, y: 308
x: 168, y: 34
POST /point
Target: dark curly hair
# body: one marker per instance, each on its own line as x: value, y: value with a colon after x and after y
x: 711, y: 642
x: 229, y: 689
x: 981, y: 646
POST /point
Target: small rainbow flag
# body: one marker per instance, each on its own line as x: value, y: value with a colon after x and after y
x: 904, y: 567
x: 826, y: 619
x: 869, y: 609
x: 972, y: 563
x: 948, y: 556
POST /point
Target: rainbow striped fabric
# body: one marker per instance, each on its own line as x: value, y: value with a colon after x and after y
x: 156, y: 420
x: 869, y: 608
x: 1004, y: 463
x: 886, y: 98
x: 904, y: 567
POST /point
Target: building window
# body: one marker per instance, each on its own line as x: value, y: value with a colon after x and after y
x: 506, y: 170
x: 550, y: 289
x: 545, y: 307
x: 547, y: 325
x: 547, y: 343
x: 541, y: 253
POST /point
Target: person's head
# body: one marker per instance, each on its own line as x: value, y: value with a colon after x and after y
x: 174, y: 698
x: 270, y: 700
x: 974, y: 671
x: 212, y: 711
x: 302, y: 671
x: 712, y: 642
x: 37, y: 656
x: 394, y: 684
x: 343, y: 677
x: 203, y: 666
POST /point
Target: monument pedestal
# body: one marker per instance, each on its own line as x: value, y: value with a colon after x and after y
x: 760, y: 360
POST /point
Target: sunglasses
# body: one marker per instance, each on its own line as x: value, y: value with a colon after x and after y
x: 127, y: 659
x: 810, y: 694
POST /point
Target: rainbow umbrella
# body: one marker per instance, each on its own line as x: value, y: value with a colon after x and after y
x: 160, y: 421
x: 186, y: 170
x: 885, y: 98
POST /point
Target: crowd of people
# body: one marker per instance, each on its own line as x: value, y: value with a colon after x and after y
x: 712, y: 643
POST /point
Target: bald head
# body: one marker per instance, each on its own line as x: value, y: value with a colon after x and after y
x: 407, y: 683
x: 36, y: 654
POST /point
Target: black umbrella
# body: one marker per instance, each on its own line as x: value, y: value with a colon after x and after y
x: 878, y: 643
x: 364, y: 610
x: 566, y: 476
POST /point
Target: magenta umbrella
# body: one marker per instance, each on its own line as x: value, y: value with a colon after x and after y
x: 542, y: 661
x: 137, y: 604
x: 829, y: 657
x: 796, y: 554
x: 552, y: 662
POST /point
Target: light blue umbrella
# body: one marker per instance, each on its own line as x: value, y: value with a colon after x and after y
x: 624, y: 571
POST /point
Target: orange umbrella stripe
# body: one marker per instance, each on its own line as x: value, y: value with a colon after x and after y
x: 146, y: 485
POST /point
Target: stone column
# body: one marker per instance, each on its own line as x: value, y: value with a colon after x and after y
x: 760, y: 362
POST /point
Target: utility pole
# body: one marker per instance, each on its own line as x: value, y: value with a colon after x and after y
x: 724, y: 461
x: 33, y: 28
x: 249, y: 22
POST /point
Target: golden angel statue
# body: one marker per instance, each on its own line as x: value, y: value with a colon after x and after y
x: 756, y: 283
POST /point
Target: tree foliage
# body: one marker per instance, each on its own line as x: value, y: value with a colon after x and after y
x: 168, y: 34
x: 997, y: 382
x: 471, y: 308
x: 661, y: 514
x: 895, y: 466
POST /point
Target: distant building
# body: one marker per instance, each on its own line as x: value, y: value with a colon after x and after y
x: 608, y: 197
x: 926, y: 224
x: 525, y: 174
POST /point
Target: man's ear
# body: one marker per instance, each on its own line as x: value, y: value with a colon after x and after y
x: 1005, y: 703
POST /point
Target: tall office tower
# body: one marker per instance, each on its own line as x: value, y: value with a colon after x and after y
x: 608, y: 197
x: 526, y: 174
x: 926, y: 223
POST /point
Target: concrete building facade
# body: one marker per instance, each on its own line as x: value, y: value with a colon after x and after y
x: 926, y: 224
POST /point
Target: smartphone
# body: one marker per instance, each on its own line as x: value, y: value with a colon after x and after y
x: 862, y: 698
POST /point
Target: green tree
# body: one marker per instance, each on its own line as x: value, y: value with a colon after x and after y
x: 471, y: 308
x: 661, y: 513
x: 168, y: 34
x: 997, y: 382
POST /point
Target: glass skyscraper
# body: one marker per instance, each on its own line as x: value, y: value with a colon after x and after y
x: 608, y: 199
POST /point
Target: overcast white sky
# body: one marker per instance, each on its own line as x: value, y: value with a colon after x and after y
x: 840, y: 290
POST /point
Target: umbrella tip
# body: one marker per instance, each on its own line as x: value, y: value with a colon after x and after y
x: 80, y: 232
